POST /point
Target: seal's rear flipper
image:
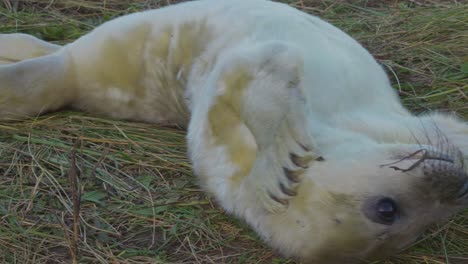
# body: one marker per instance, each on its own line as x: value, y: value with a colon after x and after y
x: 34, y: 86
x: 17, y: 47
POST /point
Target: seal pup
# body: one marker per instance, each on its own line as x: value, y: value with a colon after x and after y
x: 292, y: 125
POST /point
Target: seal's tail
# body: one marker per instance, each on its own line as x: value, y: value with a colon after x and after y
x: 31, y: 84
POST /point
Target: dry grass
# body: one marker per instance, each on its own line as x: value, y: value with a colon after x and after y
x: 132, y: 184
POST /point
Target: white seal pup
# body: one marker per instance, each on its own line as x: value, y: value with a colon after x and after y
x: 292, y: 125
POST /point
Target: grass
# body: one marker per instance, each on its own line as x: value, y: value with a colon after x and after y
x: 131, y: 182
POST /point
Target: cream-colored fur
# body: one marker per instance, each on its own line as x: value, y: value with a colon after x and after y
x: 292, y: 125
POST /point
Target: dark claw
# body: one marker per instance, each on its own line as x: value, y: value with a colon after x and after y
x: 320, y: 158
x: 304, y: 147
x: 293, y: 175
x: 276, y: 199
x: 299, y: 161
x: 287, y: 191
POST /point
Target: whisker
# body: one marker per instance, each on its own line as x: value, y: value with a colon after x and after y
x: 405, y: 158
x: 425, y: 156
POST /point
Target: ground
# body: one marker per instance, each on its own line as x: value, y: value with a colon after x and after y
x: 77, y: 188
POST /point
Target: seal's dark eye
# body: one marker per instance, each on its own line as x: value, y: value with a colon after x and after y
x: 386, y: 210
x: 382, y: 210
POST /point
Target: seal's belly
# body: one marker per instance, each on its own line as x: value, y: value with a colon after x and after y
x: 155, y: 66
x: 142, y: 71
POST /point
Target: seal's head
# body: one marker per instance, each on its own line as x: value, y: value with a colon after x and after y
x: 375, y: 203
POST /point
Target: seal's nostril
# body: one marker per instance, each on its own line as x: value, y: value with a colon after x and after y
x: 463, y: 191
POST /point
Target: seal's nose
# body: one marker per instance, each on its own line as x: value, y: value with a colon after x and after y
x: 463, y: 193
x: 447, y: 179
x: 442, y: 175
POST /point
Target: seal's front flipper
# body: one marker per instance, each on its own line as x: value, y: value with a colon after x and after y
x: 275, y: 111
x: 17, y: 47
x: 34, y: 86
x: 250, y: 144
